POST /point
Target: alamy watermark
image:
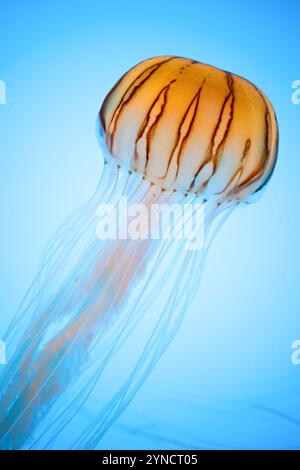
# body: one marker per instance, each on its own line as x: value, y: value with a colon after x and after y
x: 296, y: 93
x: 2, y: 353
x: 295, y: 357
x: 2, y: 92
x: 155, y: 221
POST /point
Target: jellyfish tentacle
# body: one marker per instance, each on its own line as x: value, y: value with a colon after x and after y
x: 20, y: 355
x: 108, y: 308
x: 56, y: 251
x: 199, y: 263
x: 122, y: 332
x: 107, y: 416
x: 152, y: 352
x: 29, y: 357
x: 92, y: 221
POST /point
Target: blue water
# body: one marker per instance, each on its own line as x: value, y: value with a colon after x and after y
x: 227, y: 380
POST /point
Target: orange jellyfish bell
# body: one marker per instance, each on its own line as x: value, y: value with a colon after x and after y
x: 191, y: 127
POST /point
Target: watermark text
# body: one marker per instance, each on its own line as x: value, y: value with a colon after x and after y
x: 295, y: 357
x: 2, y: 353
x: 296, y: 93
x: 2, y: 92
x: 155, y: 221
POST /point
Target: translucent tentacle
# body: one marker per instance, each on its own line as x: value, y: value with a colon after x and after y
x: 73, y: 329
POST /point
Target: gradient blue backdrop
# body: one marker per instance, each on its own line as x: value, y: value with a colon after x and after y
x: 227, y: 380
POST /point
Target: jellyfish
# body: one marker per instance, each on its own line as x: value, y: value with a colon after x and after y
x: 173, y: 132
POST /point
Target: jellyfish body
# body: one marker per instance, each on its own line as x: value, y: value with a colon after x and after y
x: 172, y: 130
x: 191, y: 127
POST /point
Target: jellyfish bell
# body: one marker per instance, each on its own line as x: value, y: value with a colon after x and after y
x: 172, y: 130
x: 191, y: 127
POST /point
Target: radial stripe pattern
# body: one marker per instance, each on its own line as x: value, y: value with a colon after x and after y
x: 191, y: 127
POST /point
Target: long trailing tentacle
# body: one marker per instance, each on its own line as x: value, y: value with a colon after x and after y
x: 38, y: 317
x: 162, y: 335
x: 159, y: 340
x: 120, y: 333
x: 45, y: 363
x: 35, y: 378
